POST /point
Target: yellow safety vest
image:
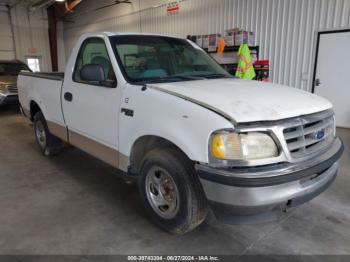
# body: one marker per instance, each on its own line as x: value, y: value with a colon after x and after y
x: 245, y: 69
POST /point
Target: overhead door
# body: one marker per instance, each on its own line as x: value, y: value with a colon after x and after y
x: 7, y: 50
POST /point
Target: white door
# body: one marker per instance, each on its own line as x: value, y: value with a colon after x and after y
x: 332, y: 79
x: 91, y: 109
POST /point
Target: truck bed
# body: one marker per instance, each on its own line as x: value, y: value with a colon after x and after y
x: 42, y: 88
x: 47, y: 75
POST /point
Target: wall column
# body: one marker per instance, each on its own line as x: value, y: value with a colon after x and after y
x: 52, y: 20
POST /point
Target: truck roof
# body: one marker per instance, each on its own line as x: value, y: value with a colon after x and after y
x: 107, y: 33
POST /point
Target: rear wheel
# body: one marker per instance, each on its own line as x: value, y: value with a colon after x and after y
x: 171, y: 191
x: 48, y: 143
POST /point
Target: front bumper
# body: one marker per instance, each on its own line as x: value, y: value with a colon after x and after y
x: 254, y: 190
x: 6, y: 99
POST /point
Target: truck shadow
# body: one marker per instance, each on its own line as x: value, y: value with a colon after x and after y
x: 100, y: 178
x: 106, y: 182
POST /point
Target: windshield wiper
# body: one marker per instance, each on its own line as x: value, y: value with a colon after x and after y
x: 213, y: 76
x: 179, y: 78
x: 169, y: 79
x: 190, y: 77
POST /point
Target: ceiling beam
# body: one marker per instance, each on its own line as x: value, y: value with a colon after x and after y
x: 41, y: 4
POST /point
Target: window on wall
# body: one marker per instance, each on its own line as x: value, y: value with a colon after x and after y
x: 34, y: 63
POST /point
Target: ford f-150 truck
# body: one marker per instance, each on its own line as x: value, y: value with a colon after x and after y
x: 195, y: 138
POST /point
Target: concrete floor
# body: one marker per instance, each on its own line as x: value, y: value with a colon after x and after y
x: 74, y: 204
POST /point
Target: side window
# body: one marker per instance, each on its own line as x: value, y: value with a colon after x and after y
x: 94, y: 51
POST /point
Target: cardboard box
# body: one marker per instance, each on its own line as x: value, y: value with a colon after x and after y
x: 244, y: 37
x: 199, y: 40
x: 213, y: 41
x: 229, y: 36
x: 205, y: 41
x: 251, y: 39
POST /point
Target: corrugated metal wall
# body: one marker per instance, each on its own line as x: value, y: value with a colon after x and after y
x: 7, y: 48
x: 285, y: 29
x: 31, y: 31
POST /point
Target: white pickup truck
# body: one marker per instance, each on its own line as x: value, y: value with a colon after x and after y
x: 164, y: 112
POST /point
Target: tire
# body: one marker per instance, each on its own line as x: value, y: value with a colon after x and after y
x: 171, y: 191
x: 48, y: 143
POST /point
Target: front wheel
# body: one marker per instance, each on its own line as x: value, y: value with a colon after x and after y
x: 171, y: 191
x: 48, y: 143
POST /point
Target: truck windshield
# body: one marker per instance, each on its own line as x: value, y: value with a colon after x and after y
x: 151, y: 59
x: 12, y: 68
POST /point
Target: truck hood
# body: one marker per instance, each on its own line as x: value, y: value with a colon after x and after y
x: 248, y: 101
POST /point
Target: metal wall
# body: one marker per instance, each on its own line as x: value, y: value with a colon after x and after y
x: 285, y: 29
x: 7, y: 48
x: 30, y: 31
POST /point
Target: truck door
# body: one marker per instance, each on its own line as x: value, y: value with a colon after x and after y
x: 91, y: 109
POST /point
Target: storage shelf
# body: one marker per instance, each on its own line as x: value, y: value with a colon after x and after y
x: 231, y: 67
x: 233, y: 49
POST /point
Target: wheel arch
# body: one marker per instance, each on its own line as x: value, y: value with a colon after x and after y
x: 145, y: 144
x: 34, y: 108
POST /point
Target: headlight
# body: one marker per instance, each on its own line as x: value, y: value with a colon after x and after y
x: 245, y: 146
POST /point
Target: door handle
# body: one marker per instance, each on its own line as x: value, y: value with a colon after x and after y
x: 68, y: 96
x: 317, y: 82
x: 127, y: 112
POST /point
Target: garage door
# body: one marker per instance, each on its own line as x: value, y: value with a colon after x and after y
x: 7, y: 50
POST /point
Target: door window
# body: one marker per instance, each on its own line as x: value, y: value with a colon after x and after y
x: 94, y: 51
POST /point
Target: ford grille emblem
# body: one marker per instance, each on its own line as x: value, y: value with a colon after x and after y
x: 319, y: 134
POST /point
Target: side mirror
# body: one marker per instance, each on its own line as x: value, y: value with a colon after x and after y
x: 92, y: 73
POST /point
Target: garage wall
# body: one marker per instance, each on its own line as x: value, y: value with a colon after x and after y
x: 61, y: 56
x: 7, y: 50
x: 121, y: 17
x: 31, y: 34
x: 285, y: 29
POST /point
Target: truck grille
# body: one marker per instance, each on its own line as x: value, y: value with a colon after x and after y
x: 12, y: 89
x: 309, y: 135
